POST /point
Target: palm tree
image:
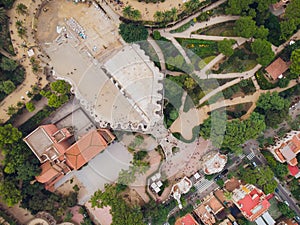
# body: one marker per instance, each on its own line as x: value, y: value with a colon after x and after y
x: 21, y: 9
x: 174, y: 14
x: 2, y: 15
x: 127, y: 11
x: 136, y: 15
x: 158, y: 16
x: 19, y: 24
x: 228, y: 195
x: 22, y: 32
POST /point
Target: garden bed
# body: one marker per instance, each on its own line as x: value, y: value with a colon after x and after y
x: 237, y: 111
x: 221, y: 29
x: 242, y: 60
x: 202, y: 48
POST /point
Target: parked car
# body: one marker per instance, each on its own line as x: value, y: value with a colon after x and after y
x: 285, y: 202
x: 224, y: 172
x: 218, y: 177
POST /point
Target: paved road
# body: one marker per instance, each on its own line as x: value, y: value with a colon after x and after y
x: 285, y: 196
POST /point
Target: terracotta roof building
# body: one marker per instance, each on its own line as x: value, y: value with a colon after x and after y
x: 251, y: 201
x: 188, y: 219
x: 59, y: 156
x: 277, y: 68
x: 208, y: 209
x: 286, y: 149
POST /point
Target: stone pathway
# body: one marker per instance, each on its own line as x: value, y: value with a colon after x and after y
x: 202, y: 113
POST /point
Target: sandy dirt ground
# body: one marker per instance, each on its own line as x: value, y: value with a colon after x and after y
x: 102, y: 33
x: 148, y: 9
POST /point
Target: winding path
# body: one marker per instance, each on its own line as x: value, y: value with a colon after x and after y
x: 201, y: 114
x: 21, y: 53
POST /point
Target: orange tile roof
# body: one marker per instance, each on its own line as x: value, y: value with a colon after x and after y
x: 48, y: 173
x: 276, y: 68
x: 215, y: 205
x: 278, y: 153
x: 188, y: 219
x: 232, y: 184
x: 293, y: 162
x: 85, y: 149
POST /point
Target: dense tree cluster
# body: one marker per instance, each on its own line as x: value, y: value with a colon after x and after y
x: 291, y: 19
x: 58, y: 93
x: 274, y: 107
x: 248, y: 7
x: 295, y: 59
x: 131, y: 32
x: 262, y: 177
x: 279, y: 169
x: 11, y: 75
x: 231, y: 134
x: 122, y: 213
x: 285, y: 210
x: 262, y: 48
x: 225, y: 47
x: 20, y: 166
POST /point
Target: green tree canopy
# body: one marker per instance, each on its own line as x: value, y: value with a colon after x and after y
x: 131, y: 13
x: 2, y: 15
x: 236, y: 131
x: 261, y: 32
x: 245, y: 27
x: 21, y: 9
x: 272, y: 101
x: 274, y: 107
x: 295, y: 58
x: 293, y: 11
x: 9, y: 193
x: 287, y: 28
x: 122, y: 213
x: 30, y: 106
x: 131, y: 32
x: 9, y: 135
x: 59, y: 93
x: 225, y: 47
x: 260, y: 176
x: 7, y: 86
x: 262, y: 48
x: 285, y: 210
x: 60, y: 86
x: 8, y: 64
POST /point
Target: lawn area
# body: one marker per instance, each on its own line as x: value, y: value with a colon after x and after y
x: 273, y: 210
x: 202, y: 48
x: 149, y: 50
x: 221, y: 29
x: 202, y: 63
x: 241, y: 60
